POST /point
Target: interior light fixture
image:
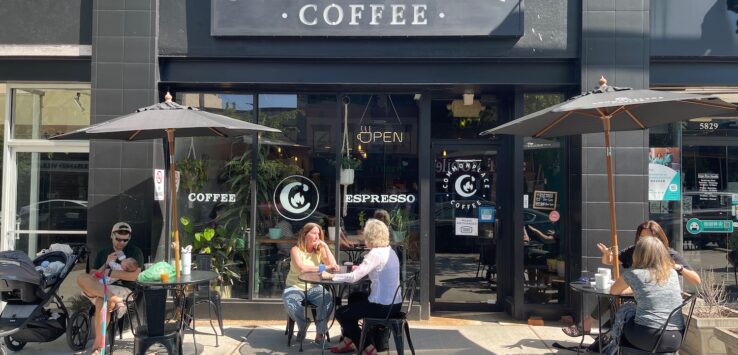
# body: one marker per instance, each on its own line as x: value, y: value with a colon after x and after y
x: 417, y: 97
x: 358, y: 147
x: 444, y: 153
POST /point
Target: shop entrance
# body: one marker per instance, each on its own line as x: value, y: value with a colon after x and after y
x: 465, y: 228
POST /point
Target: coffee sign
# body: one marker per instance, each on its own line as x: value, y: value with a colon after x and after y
x: 364, y: 18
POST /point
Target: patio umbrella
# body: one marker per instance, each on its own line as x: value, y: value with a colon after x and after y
x: 167, y: 120
x: 607, y: 109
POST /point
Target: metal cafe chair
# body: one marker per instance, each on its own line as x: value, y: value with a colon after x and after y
x: 396, y: 323
x: 151, y: 328
x: 202, y: 294
x: 627, y: 348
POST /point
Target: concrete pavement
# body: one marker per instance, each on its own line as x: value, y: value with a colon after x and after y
x: 456, y: 333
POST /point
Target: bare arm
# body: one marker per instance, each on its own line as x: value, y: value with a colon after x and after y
x: 690, y: 276
x: 326, y: 256
x: 620, y: 287
x: 126, y: 275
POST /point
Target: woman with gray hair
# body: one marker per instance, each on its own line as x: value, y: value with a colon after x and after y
x: 383, y: 268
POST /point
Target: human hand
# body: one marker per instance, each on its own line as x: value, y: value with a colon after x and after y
x: 112, y: 257
x: 603, y: 248
x: 326, y: 275
x: 334, y: 268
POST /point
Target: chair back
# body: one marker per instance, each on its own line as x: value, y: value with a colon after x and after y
x: 203, y: 262
x: 674, y: 313
x: 407, y: 289
x: 283, y: 268
x: 152, y: 303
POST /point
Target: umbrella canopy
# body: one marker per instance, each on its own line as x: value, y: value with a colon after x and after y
x: 153, y: 122
x: 167, y: 120
x: 607, y: 109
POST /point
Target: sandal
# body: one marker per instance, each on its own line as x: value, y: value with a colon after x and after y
x: 369, y: 350
x: 574, y: 331
x: 343, y: 347
x: 319, y: 338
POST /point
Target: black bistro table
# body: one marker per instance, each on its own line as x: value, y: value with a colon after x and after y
x: 314, y: 278
x: 585, y: 289
x: 178, y: 286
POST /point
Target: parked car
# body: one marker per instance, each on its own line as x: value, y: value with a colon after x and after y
x: 57, y: 214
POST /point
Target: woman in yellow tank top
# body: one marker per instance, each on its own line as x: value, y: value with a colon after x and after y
x: 306, y: 256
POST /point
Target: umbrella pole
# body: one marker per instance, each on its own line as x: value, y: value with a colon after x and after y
x: 173, y: 190
x: 611, y: 196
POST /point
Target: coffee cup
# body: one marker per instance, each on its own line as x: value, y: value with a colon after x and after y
x: 605, y: 271
x: 602, y: 282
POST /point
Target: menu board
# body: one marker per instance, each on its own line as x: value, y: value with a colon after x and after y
x: 544, y: 200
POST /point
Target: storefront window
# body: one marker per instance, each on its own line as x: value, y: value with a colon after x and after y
x: 214, y: 199
x: 42, y: 113
x: 464, y: 120
x: 544, y: 189
x: 383, y: 137
x: 701, y: 155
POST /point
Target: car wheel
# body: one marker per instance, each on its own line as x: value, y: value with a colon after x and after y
x: 14, y: 345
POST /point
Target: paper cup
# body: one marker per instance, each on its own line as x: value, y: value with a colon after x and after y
x: 186, y: 263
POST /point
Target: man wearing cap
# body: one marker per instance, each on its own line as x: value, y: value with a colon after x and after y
x: 89, y: 284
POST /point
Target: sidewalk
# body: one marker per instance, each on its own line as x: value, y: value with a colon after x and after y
x: 458, y: 333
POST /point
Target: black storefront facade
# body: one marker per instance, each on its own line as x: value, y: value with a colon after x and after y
x: 383, y: 87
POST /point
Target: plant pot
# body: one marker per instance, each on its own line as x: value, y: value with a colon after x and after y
x: 701, y: 338
x: 275, y: 233
x: 225, y: 291
x: 728, y: 338
x: 560, y: 268
x: 347, y: 176
x: 399, y: 236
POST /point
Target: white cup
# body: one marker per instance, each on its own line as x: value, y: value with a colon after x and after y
x: 186, y: 263
x: 605, y: 271
x: 601, y: 281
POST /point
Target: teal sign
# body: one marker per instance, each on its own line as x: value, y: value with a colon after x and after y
x: 696, y: 226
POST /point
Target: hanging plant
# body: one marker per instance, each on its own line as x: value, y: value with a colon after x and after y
x: 192, y: 174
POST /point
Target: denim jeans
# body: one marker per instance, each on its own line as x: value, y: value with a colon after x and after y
x: 292, y: 298
x: 625, y: 313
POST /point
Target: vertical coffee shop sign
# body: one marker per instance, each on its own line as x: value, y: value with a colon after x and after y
x: 365, y: 18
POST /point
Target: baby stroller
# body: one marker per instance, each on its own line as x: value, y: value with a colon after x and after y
x: 34, y: 311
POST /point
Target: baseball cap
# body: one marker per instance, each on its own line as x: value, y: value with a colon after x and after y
x: 122, y: 226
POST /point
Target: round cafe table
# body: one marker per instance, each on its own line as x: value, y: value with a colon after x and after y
x: 178, y: 285
x: 585, y: 289
x: 314, y: 278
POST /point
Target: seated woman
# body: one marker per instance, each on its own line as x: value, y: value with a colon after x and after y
x: 645, y: 229
x: 306, y: 256
x: 383, y: 268
x: 655, y: 285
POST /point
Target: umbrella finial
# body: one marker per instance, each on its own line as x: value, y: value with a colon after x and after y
x: 168, y: 97
x: 603, y: 81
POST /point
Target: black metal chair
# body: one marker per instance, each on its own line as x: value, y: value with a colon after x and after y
x: 151, y: 328
x: 396, y: 323
x: 202, y: 294
x: 627, y: 348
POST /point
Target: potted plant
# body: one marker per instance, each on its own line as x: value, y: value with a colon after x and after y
x: 222, y: 248
x: 729, y: 337
x: 192, y: 174
x: 361, y: 217
x: 398, y: 221
x: 348, y: 166
x: 709, y: 313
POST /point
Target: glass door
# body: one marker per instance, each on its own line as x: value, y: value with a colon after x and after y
x: 465, y: 228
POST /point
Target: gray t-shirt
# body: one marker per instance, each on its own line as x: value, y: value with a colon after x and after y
x: 655, y: 302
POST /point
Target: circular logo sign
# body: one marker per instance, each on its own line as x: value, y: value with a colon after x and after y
x: 694, y: 226
x: 296, y: 197
x: 554, y: 216
x: 465, y: 184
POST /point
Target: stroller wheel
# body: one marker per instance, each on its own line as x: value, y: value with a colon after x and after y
x: 78, y: 330
x: 14, y: 345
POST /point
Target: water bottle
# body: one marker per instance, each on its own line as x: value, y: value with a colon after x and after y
x: 321, y: 268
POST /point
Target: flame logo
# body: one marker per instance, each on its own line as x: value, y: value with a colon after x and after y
x: 465, y: 186
x: 297, y: 200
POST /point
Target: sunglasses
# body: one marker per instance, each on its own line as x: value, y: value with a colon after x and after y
x: 122, y: 240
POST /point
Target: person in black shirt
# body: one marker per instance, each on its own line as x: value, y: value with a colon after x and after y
x: 91, y: 287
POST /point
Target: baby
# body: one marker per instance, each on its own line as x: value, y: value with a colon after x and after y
x: 127, y: 264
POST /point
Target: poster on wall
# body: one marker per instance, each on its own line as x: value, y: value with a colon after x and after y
x: 664, y: 180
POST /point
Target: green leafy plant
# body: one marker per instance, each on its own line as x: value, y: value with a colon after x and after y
x: 362, y: 219
x: 348, y: 162
x: 222, y: 248
x: 193, y: 174
x: 398, y: 220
